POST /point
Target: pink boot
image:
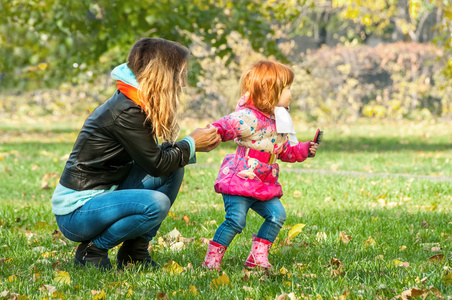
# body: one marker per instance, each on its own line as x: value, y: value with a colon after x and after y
x: 214, y: 256
x: 259, y: 254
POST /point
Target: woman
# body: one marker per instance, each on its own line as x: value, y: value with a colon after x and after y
x: 118, y: 183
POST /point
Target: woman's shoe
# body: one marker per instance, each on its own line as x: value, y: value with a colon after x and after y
x: 88, y: 253
x: 214, y: 256
x: 135, y: 251
x: 259, y: 254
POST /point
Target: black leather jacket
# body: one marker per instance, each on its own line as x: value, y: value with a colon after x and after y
x: 113, y: 137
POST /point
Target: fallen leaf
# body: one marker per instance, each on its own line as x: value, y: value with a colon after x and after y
x: 62, y: 277
x: 173, y: 267
x: 222, y: 280
x: 177, y: 246
x: 336, y: 263
x: 401, y: 248
x: 436, y: 258
x: 290, y: 296
x: 411, y: 293
x: 246, y: 275
x: 174, y: 234
x: 424, y: 224
x: 99, y: 295
x: 193, y: 290
x: 345, y: 238
x: 60, y: 295
x: 12, y: 278
x: 436, y: 249
x: 369, y: 242
x: 186, y: 219
x: 295, y: 230
x: 447, y: 279
x: 248, y: 289
x: 162, y: 296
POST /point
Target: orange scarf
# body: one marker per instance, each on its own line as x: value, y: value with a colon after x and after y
x: 130, y: 91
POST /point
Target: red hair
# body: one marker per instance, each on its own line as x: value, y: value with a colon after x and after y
x: 265, y: 81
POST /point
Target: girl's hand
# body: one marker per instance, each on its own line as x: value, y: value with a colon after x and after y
x: 206, y: 139
x: 313, y: 148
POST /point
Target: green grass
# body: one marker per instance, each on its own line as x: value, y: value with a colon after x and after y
x: 391, y: 220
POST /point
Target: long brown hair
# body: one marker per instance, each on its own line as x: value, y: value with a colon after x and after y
x: 160, y: 68
x: 265, y: 81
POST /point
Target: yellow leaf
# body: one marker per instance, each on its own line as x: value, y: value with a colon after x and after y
x: 447, y: 279
x: 283, y: 270
x: 401, y: 248
x: 62, y: 277
x: 345, y: 238
x: 129, y: 293
x: 395, y: 263
x: 100, y: 296
x: 173, y: 268
x: 296, y: 230
x: 369, y: 242
x: 12, y: 278
x: 297, y: 194
x: 58, y: 295
x: 193, y: 290
x: 222, y: 280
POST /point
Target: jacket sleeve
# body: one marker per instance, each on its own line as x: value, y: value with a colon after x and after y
x: 297, y: 153
x: 237, y: 124
x: 138, y: 140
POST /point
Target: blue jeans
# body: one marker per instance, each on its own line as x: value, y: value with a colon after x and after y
x: 237, y: 207
x: 136, y: 208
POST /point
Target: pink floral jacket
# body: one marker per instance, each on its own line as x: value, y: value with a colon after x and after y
x: 240, y: 174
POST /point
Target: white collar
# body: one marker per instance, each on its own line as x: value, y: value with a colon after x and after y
x: 284, y: 124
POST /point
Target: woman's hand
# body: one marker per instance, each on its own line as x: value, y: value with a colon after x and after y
x: 206, y: 139
x: 313, y: 148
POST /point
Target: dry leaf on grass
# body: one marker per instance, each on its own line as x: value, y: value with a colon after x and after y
x: 412, y: 293
x: 436, y: 258
x: 62, y: 277
x: 173, y: 268
x: 345, y: 238
x: 369, y: 242
x: 162, y: 296
x: 186, y: 219
x: 217, y: 282
x: 447, y: 279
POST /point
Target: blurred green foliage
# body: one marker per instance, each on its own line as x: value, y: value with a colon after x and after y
x: 72, y: 45
x: 45, y: 42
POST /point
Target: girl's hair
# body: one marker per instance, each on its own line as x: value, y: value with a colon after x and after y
x: 160, y: 68
x: 265, y: 81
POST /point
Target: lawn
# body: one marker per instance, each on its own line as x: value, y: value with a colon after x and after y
x: 368, y: 218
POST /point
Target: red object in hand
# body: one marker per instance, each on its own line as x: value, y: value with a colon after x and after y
x: 317, y: 139
x: 318, y: 136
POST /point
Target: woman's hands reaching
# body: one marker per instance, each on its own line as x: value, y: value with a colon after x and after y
x: 206, y: 139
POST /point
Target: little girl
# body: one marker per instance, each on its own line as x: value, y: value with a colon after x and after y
x: 262, y: 129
